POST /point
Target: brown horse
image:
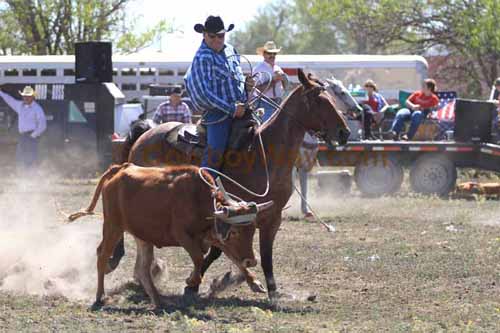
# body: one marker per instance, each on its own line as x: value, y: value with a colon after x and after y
x: 308, y: 108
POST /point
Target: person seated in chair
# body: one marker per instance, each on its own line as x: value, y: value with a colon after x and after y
x: 418, y: 107
x: 377, y: 106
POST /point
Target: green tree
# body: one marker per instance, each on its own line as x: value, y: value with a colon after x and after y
x: 465, y: 34
x: 325, y: 26
x: 10, y: 37
x: 53, y: 26
x: 130, y: 42
x: 366, y: 26
x: 467, y: 31
x: 272, y: 22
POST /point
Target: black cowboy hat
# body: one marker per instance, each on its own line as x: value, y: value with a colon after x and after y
x: 213, y: 24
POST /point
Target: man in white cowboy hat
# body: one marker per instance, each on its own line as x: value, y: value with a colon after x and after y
x: 271, y: 80
x: 216, y: 86
x: 31, y: 124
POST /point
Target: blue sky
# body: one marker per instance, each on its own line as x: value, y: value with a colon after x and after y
x: 186, y: 13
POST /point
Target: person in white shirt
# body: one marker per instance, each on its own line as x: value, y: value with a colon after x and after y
x: 270, y: 80
x: 31, y: 124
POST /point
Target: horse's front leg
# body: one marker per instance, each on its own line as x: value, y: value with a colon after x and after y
x: 267, y: 234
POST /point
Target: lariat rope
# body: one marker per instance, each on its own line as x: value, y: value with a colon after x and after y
x: 261, y: 143
x: 328, y: 227
x: 259, y: 95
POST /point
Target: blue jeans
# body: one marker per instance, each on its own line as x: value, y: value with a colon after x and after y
x: 268, y: 108
x: 403, y: 115
x: 217, y: 140
x: 26, y: 152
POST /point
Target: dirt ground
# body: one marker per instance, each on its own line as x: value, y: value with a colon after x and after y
x: 403, y: 264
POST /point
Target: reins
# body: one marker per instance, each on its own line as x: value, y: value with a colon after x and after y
x: 278, y: 109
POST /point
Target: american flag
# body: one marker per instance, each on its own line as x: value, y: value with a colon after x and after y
x: 445, y: 114
x: 446, y: 108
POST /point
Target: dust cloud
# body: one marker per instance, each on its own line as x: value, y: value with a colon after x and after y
x: 406, y: 205
x: 39, y: 254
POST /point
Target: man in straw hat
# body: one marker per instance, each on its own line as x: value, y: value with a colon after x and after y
x: 31, y: 124
x: 271, y: 80
x: 216, y: 86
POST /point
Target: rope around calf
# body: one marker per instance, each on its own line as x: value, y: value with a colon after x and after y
x: 237, y: 183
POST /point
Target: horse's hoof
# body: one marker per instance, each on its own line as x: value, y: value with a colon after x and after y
x: 273, y: 295
x: 97, y: 306
x: 276, y: 298
x: 257, y: 287
x: 191, y: 292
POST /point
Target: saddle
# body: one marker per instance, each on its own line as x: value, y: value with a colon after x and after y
x: 192, y: 138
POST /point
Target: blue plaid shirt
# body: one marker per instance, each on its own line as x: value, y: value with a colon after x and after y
x: 215, y: 80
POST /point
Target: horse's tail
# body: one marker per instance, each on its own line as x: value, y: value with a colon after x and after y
x: 137, y: 128
x: 112, y: 170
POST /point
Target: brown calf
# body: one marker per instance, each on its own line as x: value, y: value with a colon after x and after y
x: 161, y: 207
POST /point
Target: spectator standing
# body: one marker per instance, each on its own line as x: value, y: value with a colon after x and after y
x: 31, y: 125
x: 304, y: 164
x: 271, y: 80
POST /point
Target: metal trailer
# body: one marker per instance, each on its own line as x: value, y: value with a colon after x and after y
x: 80, y: 122
x: 379, y: 165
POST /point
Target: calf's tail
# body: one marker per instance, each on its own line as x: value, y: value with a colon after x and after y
x: 112, y: 170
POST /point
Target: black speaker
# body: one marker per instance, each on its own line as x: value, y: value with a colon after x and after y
x: 473, y: 120
x: 93, y: 62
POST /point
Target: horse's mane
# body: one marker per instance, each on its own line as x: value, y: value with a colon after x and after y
x: 313, y: 80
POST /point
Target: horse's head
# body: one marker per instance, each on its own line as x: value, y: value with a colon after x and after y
x: 322, y: 116
x: 337, y: 89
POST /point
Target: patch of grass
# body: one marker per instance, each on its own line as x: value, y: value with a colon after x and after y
x: 394, y: 264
